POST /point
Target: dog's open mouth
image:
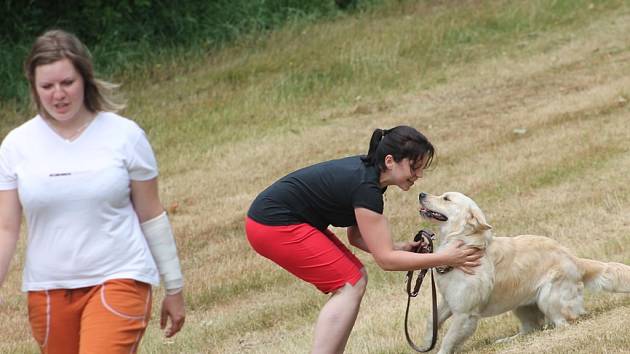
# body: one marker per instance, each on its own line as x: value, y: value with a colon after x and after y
x: 430, y: 214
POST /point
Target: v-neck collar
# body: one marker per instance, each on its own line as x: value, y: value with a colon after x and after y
x: 60, y: 138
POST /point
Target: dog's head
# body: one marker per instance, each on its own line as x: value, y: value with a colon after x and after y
x: 459, y: 217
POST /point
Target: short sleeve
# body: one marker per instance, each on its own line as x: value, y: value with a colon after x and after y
x: 368, y: 196
x: 142, y: 164
x: 8, y: 177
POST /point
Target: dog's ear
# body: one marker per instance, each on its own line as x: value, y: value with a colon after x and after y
x: 478, y: 219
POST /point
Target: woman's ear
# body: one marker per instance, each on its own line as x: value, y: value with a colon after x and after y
x: 389, y: 161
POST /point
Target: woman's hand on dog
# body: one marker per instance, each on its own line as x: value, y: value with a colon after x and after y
x: 462, y: 257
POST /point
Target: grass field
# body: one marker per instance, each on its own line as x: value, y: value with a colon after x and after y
x: 525, y: 101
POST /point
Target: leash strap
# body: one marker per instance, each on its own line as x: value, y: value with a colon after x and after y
x: 428, y: 237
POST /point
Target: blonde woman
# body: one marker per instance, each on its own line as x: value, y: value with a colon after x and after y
x: 86, y: 180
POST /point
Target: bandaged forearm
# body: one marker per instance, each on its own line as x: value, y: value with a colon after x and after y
x: 161, y: 242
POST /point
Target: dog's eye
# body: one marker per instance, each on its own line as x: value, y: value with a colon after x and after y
x: 446, y: 198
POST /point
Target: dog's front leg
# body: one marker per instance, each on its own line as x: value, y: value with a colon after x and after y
x: 444, y: 312
x: 462, y: 327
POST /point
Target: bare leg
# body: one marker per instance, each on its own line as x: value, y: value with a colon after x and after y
x: 337, y: 317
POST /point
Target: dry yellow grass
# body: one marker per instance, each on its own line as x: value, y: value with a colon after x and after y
x: 565, y: 177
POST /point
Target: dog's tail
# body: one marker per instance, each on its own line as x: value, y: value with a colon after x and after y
x: 613, y: 277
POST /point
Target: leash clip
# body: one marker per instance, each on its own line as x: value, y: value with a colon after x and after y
x: 426, y: 246
x: 428, y: 237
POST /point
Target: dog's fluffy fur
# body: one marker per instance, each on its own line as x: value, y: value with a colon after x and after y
x: 535, y: 277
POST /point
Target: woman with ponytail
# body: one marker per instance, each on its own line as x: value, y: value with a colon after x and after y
x: 288, y: 224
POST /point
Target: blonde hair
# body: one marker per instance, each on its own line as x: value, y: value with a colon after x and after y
x: 55, y: 45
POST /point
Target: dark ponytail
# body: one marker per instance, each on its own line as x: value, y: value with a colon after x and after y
x: 400, y: 142
x: 377, y: 136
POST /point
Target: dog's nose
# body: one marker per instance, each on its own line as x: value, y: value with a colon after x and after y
x: 422, y: 195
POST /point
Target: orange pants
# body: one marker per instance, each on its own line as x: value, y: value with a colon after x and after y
x: 104, y: 319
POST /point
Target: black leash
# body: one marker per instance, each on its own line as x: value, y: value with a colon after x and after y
x: 425, y: 247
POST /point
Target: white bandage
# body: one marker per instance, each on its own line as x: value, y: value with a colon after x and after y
x: 161, y: 242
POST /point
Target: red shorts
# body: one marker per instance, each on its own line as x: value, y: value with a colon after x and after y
x: 317, y: 257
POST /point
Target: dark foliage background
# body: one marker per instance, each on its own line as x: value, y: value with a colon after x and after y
x: 127, y: 34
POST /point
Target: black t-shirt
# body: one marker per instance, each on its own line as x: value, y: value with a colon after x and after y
x: 323, y: 194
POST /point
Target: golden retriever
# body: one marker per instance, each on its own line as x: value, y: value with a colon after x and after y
x: 535, y: 277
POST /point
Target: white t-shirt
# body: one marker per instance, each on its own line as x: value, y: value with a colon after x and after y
x: 82, y: 228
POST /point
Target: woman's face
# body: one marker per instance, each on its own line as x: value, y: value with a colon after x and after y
x: 60, y: 89
x: 405, y: 172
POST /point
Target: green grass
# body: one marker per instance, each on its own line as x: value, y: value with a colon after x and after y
x: 339, y: 65
x: 276, y: 87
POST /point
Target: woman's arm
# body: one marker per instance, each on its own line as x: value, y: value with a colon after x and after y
x: 355, y: 238
x: 146, y: 202
x: 10, y: 219
x: 146, y: 199
x: 374, y: 230
x: 158, y: 232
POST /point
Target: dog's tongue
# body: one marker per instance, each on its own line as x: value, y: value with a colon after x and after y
x: 438, y: 216
x: 433, y: 214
